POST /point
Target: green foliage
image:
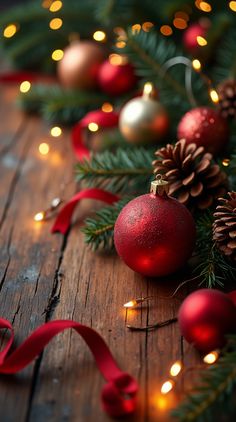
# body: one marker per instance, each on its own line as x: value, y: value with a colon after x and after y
x: 212, y: 399
x: 99, y: 230
x: 32, y: 45
x: 60, y: 105
x: 213, y: 268
x: 126, y: 170
x: 225, y: 67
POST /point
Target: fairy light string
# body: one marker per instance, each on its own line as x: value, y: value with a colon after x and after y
x: 177, y: 368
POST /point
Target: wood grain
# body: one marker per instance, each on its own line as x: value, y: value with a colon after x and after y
x: 45, y: 277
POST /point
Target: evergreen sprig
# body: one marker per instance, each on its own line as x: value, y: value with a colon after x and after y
x: 213, y: 268
x: 126, y: 170
x: 60, y: 105
x: 99, y: 230
x: 212, y: 398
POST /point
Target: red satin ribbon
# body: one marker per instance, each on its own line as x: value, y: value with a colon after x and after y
x: 63, y: 219
x: 14, y: 77
x: 118, y: 395
x: 101, y: 118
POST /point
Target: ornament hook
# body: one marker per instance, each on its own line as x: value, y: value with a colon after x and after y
x: 159, y: 186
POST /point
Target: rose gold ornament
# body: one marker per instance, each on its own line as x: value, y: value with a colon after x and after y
x: 80, y: 64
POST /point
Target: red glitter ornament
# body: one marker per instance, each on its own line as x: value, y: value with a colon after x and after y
x: 154, y: 234
x: 190, y: 37
x: 116, y: 79
x: 205, y: 317
x: 204, y: 126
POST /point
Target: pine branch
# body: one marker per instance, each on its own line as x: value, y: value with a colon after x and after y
x: 59, y: 105
x: 215, y: 388
x: 213, y: 268
x: 99, y: 230
x: 127, y: 170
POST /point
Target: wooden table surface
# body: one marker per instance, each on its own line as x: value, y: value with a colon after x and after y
x: 46, y: 277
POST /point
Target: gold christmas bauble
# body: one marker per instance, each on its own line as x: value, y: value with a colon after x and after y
x: 80, y: 64
x: 143, y: 120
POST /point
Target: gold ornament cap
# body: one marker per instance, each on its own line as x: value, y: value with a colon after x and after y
x: 159, y: 186
x: 149, y: 92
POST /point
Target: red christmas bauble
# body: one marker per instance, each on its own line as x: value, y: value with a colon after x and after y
x: 116, y: 79
x: 154, y: 235
x: 80, y: 65
x: 190, y: 37
x: 232, y: 296
x: 205, y: 317
x: 204, y: 126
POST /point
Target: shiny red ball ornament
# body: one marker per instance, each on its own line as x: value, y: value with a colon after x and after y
x: 204, y: 126
x: 190, y: 37
x: 116, y: 79
x: 154, y: 234
x: 205, y: 317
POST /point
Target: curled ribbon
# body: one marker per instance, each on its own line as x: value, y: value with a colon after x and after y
x: 118, y: 395
x: 63, y: 219
x: 101, y: 118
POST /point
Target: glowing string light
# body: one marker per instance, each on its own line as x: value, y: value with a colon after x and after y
x: 211, y: 358
x: 176, y: 368
x: 147, y: 26
x: 10, y: 30
x: 25, y: 86
x: 214, y: 96
x: 166, y: 30
x: 40, y: 216
x: 57, y: 55
x: 135, y: 302
x: 180, y: 23
x: 44, y: 148
x: 131, y: 304
x: 136, y: 28
x: 167, y: 386
x: 56, y: 131
x: 120, y: 44
x: 201, y: 41
x: 55, y: 23
x: 55, y: 6
x: 226, y: 162
x: 117, y: 59
x: 99, y: 36
x: 107, y: 107
x: 205, y: 7
x: 196, y: 64
x: 93, y: 127
x: 232, y: 5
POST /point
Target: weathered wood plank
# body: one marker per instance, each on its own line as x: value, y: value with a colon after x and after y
x: 30, y: 256
x: 47, y: 276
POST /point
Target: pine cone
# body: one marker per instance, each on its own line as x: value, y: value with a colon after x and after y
x: 224, y: 226
x: 227, y: 98
x: 193, y: 178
